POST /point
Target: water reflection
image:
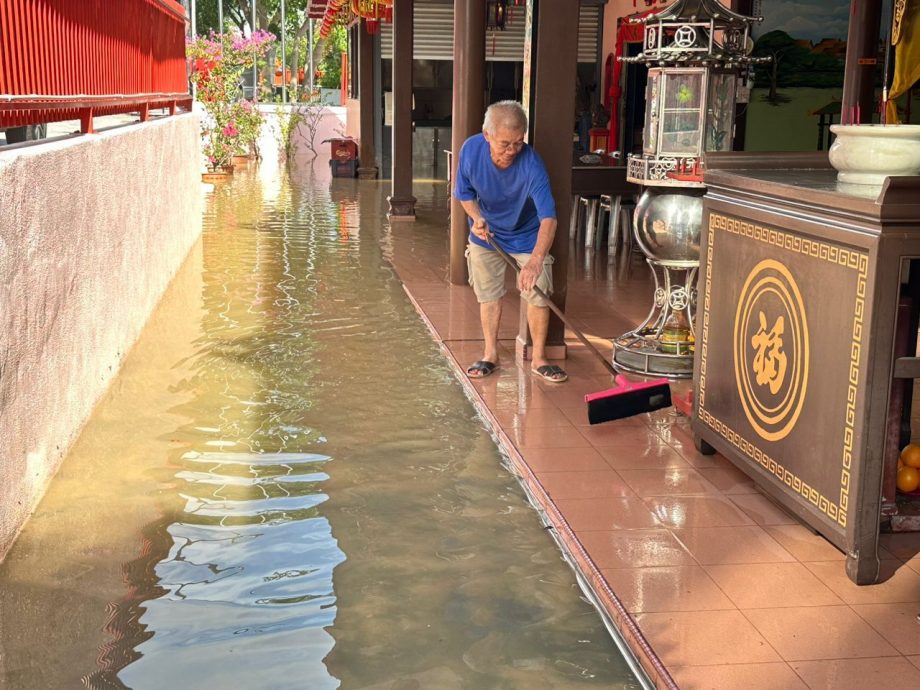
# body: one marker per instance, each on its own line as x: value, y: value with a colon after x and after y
x: 318, y: 506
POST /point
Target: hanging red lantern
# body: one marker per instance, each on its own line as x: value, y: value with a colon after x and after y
x: 496, y: 13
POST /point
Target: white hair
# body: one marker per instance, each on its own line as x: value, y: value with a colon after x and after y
x: 505, y: 115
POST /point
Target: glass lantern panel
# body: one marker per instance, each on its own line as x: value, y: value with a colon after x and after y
x: 720, y: 117
x: 652, y: 110
x: 680, y: 133
x: 683, y: 91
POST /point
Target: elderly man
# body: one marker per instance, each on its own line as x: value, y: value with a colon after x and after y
x: 502, y: 185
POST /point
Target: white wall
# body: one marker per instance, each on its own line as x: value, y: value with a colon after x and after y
x: 92, y: 230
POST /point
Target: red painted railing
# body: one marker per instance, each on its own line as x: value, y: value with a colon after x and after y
x: 76, y: 59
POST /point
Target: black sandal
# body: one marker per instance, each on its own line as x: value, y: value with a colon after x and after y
x: 484, y: 367
x: 551, y: 373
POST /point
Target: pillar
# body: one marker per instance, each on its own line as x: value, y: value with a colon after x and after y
x: 402, y: 203
x: 367, y: 154
x: 553, y: 40
x: 859, y: 69
x: 468, y: 110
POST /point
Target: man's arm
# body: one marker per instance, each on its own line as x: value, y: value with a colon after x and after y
x: 529, y: 274
x: 480, y: 227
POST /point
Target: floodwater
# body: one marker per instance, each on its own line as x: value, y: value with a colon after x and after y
x: 285, y: 487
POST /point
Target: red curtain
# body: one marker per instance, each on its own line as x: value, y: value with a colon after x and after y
x: 630, y: 31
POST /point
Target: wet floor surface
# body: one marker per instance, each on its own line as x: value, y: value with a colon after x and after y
x: 287, y: 487
x: 714, y: 584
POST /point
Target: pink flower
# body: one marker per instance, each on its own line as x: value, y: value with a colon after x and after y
x: 230, y: 129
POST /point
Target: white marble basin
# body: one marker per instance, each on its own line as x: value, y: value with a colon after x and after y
x: 867, y: 154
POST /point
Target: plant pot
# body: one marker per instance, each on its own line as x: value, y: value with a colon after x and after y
x: 218, y: 174
x: 867, y: 154
x: 241, y: 160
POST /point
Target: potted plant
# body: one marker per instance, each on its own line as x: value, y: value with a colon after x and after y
x: 230, y: 124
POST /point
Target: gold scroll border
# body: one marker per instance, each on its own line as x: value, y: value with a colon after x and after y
x: 848, y: 258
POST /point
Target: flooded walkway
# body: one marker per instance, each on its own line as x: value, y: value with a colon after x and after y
x: 714, y: 585
x: 286, y: 487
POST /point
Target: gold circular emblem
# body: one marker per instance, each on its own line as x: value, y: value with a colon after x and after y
x: 770, y: 347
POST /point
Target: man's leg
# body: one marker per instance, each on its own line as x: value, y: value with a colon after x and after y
x: 487, y: 276
x: 490, y: 313
x: 538, y: 321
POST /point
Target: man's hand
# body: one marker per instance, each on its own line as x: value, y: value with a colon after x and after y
x: 481, y: 229
x: 529, y: 274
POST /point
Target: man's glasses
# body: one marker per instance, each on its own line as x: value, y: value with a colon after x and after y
x: 506, y: 145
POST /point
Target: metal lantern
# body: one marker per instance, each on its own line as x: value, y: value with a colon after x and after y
x: 698, y: 53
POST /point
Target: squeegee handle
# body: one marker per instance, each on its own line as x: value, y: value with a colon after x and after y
x: 556, y: 310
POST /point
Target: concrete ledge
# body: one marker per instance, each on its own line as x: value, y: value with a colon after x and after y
x: 92, y: 229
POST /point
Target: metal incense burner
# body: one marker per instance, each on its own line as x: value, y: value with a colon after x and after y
x: 698, y: 52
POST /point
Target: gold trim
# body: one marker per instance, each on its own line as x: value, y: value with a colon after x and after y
x: 757, y: 416
x: 897, y: 21
x: 840, y: 256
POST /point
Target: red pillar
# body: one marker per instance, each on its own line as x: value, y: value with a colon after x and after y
x: 402, y: 203
x: 366, y: 88
x: 468, y: 109
x: 858, y: 101
x: 554, y: 49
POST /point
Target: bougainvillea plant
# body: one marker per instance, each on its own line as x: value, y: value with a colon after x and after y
x: 216, y: 66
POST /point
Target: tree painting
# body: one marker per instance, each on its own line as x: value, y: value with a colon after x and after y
x: 797, y: 63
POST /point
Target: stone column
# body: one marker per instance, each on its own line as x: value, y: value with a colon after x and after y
x: 402, y: 203
x: 554, y: 46
x: 468, y: 109
x: 366, y: 87
x: 858, y: 102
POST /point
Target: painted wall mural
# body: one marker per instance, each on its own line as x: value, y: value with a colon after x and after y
x: 801, y: 89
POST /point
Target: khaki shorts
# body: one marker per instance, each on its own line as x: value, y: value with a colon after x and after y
x: 487, y: 275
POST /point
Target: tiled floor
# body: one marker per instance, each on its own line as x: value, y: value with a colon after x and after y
x: 713, y: 584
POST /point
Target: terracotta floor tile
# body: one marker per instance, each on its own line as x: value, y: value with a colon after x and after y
x: 622, y: 432
x: 550, y: 417
x: 858, y: 674
x: 576, y: 414
x: 547, y: 437
x: 681, y: 588
x: 805, y: 544
x: 724, y: 545
x: 598, y: 484
x: 771, y: 585
x: 728, y: 480
x: 897, y: 623
x: 697, y: 511
x: 673, y: 481
x: 682, y: 442
x: 500, y: 395
x: 548, y: 460
x: 764, y: 511
x: 588, y: 514
x: 775, y: 676
x: 899, y: 583
x: 635, y: 548
x: 819, y: 632
x: 642, y: 456
x: 915, y: 660
x: 705, y: 638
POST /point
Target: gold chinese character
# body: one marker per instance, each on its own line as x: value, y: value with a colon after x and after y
x: 770, y: 360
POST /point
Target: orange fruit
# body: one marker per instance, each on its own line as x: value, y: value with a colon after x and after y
x: 911, y: 455
x: 908, y: 479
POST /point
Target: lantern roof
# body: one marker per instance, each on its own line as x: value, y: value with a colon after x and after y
x: 697, y: 33
x: 684, y: 11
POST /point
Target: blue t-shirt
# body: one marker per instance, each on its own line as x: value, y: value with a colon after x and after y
x: 513, y: 201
